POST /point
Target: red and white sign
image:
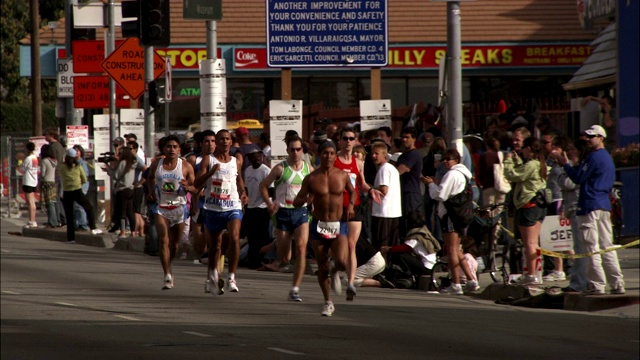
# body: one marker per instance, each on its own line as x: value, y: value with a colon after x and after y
x: 126, y: 66
x: 78, y: 135
x: 471, y: 56
x: 555, y: 234
x: 88, y: 55
x: 92, y: 92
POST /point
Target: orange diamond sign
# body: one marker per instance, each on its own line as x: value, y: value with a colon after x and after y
x: 126, y: 66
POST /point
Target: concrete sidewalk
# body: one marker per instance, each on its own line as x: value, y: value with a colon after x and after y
x: 629, y: 262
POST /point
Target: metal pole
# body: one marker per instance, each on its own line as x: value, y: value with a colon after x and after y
x: 149, y: 124
x: 68, y: 28
x: 36, y: 87
x: 212, y: 40
x: 111, y: 45
x: 454, y: 105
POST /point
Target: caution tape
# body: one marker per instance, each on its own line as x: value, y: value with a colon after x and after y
x: 578, y: 256
x: 575, y: 256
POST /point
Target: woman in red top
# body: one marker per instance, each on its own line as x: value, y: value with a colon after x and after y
x: 347, y: 162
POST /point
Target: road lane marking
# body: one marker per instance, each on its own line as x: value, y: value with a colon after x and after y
x: 10, y: 292
x: 196, y: 333
x: 286, y: 351
x: 66, y: 304
x: 126, y: 317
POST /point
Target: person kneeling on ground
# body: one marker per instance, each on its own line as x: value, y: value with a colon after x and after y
x: 371, y: 265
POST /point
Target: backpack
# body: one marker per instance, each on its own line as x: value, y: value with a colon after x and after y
x: 460, y: 207
x: 500, y: 183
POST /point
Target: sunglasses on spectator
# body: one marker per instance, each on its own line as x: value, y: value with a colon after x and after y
x: 592, y: 136
x: 347, y: 138
x: 295, y: 149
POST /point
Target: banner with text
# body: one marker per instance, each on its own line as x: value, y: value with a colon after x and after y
x: 555, y: 234
x: 374, y: 114
x: 284, y: 115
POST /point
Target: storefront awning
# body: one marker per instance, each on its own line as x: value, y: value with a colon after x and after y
x: 600, y: 67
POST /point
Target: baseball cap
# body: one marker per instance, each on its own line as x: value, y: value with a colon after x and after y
x: 596, y: 130
x: 242, y: 131
x: 72, y: 153
x: 131, y: 135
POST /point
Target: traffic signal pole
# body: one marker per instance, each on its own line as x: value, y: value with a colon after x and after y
x: 149, y: 124
x: 111, y: 45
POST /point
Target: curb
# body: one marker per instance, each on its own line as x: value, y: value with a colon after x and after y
x: 82, y: 238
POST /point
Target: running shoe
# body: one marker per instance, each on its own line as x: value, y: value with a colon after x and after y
x: 528, y: 280
x: 555, y: 276
x: 168, y: 282
x: 328, y: 309
x: 593, y: 291
x: 472, y: 285
x: 294, y: 296
x: 453, y: 289
x: 96, y: 232
x: 336, y: 285
x: 618, y: 290
x: 231, y: 285
x: 212, y: 281
x: 207, y: 286
x: 351, y: 292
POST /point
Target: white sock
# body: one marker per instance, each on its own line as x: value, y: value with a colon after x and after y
x: 295, y: 289
x: 215, y: 274
x: 232, y: 276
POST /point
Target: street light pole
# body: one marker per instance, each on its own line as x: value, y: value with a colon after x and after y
x: 454, y: 73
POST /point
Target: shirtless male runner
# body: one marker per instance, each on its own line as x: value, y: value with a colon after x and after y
x: 169, y: 181
x: 224, y: 194
x: 324, y: 188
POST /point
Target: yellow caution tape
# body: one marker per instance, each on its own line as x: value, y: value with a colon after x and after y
x: 578, y: 256
x: 575, y: 256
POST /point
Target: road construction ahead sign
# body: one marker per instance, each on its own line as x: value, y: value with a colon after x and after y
x: 126, y: 66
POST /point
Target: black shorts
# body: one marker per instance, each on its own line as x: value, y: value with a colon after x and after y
x: 447, y: 225
x: 28, y: 189
x: 357, y: 214
x: 138, y: 198
x: 529, y: 216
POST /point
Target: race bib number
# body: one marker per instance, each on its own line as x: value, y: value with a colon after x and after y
x: 221, y: 189
x: 328, y: 229
x: 353, y: 178
x: 292, y: 192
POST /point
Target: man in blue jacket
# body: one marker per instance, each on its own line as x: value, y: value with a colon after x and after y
x: 596, y: 176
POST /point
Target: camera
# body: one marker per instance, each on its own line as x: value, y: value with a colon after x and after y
x: 106, y: 157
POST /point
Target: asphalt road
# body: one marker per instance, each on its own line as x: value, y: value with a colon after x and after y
x: 64, y: 301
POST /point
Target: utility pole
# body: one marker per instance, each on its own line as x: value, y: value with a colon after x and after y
x: 454, y: 73
x: 111, y: 45
x: 36, y: 87
x: 149, y: 115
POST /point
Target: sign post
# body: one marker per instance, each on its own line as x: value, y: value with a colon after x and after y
x: 202, y: 10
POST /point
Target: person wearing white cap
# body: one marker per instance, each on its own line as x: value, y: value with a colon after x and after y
x: 73, y: 176
x: 596, y: 176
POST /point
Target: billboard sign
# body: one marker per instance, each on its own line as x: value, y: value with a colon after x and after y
x: 309, y: 33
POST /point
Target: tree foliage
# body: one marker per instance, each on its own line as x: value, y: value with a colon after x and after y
x: 15, y: 24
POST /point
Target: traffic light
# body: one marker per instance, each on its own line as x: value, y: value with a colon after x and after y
x: 153, y: 94
x: 155, y: 23
x: 83, y: 34
x: 131, y: 9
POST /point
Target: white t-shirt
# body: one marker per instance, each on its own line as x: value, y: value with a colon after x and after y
x: 391, y: 207
x: 252, y: 179
x: 428, y: 260
x: 30, y: 169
